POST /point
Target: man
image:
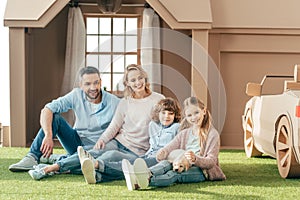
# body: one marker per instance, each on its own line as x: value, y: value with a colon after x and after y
x: 93, y: 108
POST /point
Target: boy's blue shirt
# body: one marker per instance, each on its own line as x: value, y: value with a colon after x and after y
x: 160, y: 136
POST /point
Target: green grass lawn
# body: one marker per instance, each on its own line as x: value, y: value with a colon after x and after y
x: 255, y: 178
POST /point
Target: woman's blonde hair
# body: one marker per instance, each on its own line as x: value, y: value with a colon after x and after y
x: 206, y: 122
x: 168, y: 104
x: 128, y: 92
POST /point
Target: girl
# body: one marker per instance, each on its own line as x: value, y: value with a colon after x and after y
x: 201, y: 142
x: 128, y: 131
x: 166, y: 115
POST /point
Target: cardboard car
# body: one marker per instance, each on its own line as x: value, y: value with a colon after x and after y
x: 271, y: 123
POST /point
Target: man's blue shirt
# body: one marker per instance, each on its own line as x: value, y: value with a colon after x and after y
x: 91, y: 120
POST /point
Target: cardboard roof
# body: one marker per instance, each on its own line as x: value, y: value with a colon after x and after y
x: 32, y: 13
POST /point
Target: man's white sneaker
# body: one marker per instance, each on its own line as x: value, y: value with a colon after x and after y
x: 129, y: 175
x: 88, y: 170
x: 25, y: 164
x: 142, y: 173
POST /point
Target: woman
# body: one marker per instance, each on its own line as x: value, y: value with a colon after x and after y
x: 130, y: 123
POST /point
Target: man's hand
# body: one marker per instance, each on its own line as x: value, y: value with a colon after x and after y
x: 47, y: 147
x: 99, y: 145
x: 46, y: 124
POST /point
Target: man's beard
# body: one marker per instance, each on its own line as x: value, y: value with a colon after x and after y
x: 92, y: 98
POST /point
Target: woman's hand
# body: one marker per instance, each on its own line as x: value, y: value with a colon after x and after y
x: 190, y: 155
x: 99, y: 145
x: 161, y: 155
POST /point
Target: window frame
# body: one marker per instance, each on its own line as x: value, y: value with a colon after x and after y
x: 111, y: 53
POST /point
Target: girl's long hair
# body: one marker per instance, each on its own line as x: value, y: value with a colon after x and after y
x: 128, y: 92
x: 168, y: 104
x: 204, y: 126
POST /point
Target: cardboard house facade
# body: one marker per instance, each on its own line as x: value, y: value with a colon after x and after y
x: 244, y: 40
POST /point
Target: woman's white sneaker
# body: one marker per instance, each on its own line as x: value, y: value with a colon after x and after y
x: 83, y: 154
x: 88, y: 170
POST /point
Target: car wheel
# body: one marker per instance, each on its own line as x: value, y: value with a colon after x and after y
x: 286, y: 162
x: 250, y: 149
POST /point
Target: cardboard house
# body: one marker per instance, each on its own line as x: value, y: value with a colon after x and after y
x: 243, y: 40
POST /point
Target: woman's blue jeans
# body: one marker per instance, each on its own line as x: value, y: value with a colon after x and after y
x: 163, y: 175
x: 72, y: 163
x: 113, y: 170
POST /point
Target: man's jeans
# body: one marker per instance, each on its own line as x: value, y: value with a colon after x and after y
x: 67, y: 136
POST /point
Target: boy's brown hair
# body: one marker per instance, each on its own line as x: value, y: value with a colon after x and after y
x: 168, y: 104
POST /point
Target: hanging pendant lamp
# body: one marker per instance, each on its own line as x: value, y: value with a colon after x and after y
x: 109, y: 6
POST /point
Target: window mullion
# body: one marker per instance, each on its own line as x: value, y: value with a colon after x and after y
x: 125, y: 43
x: 98, y: 48
x: 111, y: 54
